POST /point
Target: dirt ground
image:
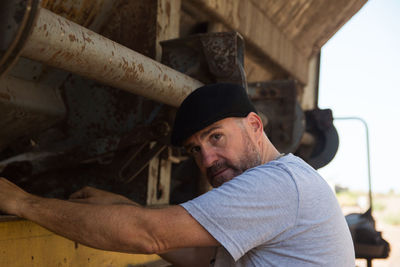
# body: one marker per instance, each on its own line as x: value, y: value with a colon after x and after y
x: 387, y: 217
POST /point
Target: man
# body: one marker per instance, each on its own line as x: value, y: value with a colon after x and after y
x: 266, y: 209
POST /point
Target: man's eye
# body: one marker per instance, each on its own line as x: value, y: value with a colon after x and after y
x: 194, y: 150
x: 216, y: 136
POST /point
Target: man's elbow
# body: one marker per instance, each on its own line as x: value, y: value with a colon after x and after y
x: 146, y: 243
x: 152, y: 248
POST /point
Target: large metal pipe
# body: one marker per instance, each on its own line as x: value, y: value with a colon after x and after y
x: 61, y: 43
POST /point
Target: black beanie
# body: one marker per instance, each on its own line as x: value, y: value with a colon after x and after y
x: 209, y: 104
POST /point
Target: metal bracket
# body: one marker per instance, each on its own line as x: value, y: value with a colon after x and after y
x: 282, y: 116
x: 211, y: 57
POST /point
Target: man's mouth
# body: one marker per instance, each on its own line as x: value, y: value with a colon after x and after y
x: 219, y: 176
x: 216, y: 170
x: 219, y: 172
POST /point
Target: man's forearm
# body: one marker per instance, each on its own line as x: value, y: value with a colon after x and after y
x: 109, y: 227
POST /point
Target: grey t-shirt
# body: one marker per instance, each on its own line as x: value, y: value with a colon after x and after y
x: 281, y: 213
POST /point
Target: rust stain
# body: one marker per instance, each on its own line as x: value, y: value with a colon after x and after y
x: 112, y: 52
x: 54, y: 56
x: 44, y: 27
x: 87, y: 39
x: 60, y: 22
x: 72, y: 38
x: 47, y: 33
x: 130, y: 73
x: 67, y: 55
x: 158, y: 67
x: 141, y: 69
x: 165, y: 77
x: 125, y: 62
x: 5, y: 96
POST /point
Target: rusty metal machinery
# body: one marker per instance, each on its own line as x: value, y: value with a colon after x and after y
x: 88, y: 91
x: 94, y: 134
x: 60, y: 43
x: 58, y: 124
x: 89, y: 128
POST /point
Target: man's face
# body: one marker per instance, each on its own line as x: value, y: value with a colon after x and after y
x: 223, y: 150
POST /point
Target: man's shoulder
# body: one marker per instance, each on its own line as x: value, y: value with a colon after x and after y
x: 293, y: 165
x: 286, y: 165
x: 282, y: 160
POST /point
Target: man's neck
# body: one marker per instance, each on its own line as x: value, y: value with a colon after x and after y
x: 268, y: 151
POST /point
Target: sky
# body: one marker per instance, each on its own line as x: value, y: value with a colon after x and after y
x: 360, y: 76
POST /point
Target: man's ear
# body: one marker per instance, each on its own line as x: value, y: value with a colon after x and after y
x: 255, y: 124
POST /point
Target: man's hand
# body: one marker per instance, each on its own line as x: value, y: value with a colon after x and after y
x: 11, y: 197
x: 93, y: 195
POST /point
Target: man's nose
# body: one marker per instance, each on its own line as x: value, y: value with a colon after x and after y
x: 209, y: 157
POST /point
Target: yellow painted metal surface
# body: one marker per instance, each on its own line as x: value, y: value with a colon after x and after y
x: 24, y: 243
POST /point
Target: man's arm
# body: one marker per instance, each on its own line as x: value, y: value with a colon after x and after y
x: 123, y: 228
x: 194, y: 257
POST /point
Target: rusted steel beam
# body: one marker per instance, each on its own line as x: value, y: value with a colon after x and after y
x: 61, y: 43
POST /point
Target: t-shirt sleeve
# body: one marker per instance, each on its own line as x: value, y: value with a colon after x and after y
x: 251, y: 209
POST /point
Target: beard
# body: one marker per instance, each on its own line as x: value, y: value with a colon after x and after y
x: 225, y: 170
